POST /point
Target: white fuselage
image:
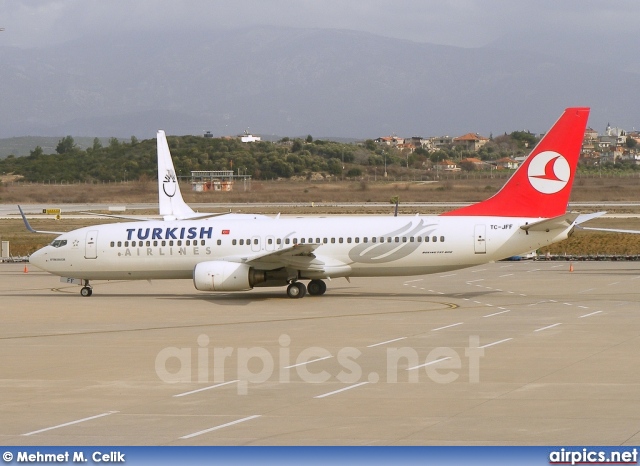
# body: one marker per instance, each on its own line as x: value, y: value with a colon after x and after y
x: 354, y: 246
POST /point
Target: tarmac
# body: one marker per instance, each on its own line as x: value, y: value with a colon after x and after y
x: 509, y: 353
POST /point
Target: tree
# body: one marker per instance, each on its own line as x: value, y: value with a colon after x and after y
x: 96, y: 144
x: 65, y: 145
x: 630, y: 142
x: 37, y: 152
x: 309, y: 139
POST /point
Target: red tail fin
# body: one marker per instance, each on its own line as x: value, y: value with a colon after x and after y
x: 541, y: 186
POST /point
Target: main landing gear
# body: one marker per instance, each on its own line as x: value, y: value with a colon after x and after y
x: 298, y: 290
x: 86, y: 290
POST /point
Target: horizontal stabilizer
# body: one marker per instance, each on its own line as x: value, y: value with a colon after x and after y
x: 555, y: 223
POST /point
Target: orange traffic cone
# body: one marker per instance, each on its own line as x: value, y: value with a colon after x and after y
x: 571, y: 267
x: 26, y: 270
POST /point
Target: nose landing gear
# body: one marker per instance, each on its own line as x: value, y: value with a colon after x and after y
x: 86, y: 290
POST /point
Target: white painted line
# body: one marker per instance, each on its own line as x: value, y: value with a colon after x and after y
x: 489, y: 305
x: 498, y: 289
x: 411, y: 281
x: 477, y: 302
x: 386, y: 342
x: 553, y: 301
x: 522, y: 294
x: 506, y: 275
x: 496, y: 313
x: 500, y: 307
x: 219, y: 427
x: 547, y: 327
x: 205, y: 388
x: 70, y: 423
x: 495, y: 343
x: 428, y: 363
x: 446, y: 326
x: 567, y: 304
x: 342, y: 390
x: 584, y: 291
x: 478, y: 280
x: 583, y: 307
x: 505, y: 266
x: 450, y: 275
x: 308, y: 362
x: 475, y: 271
x: 614, y: 283
x: 532, y: 270
x: 592, y: 314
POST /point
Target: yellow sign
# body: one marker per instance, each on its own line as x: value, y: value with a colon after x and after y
x: 51, y: 211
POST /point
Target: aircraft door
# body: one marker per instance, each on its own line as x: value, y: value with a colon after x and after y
x: 255, y: 244
x: 91, y: 245
x: 480, y: 239
x: 270, y: 245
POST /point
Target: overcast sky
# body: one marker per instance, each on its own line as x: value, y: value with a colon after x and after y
x: 465, y: 23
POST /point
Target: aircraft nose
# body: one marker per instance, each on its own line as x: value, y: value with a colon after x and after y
x: 38, y: 258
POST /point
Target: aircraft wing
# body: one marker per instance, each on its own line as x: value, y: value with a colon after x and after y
x: 298, y: 256
x: 613, y: 230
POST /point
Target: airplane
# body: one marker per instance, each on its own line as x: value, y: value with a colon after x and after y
x: 238, y: 252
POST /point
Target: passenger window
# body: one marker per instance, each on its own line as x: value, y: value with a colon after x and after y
x: 279, y: 241
x: 219, y: 242
x: 148, y: 243
x: 434, y: 239
x: 241, y: 242
x: 155, y: 242
x: 119, y: 244
x: 233, y: 242
x: 325, y: 240
x: 287, y: 241
x: 419, y: 239
x: 426, y: 239
x: 333, y: 240
x: 340, y: 240
x: 133, y: 244
x: 164, y: 243
x: 318, y: 240
x: 269, y: 241
x: 442, y: 239
x: 55, y: 246
x: 301, y: 240
x: 348, y: 240
x: 295, y: 240
x: 357, y: 239
x: 388, y: 239
x: 374, y: 239
x: 404, y: 239
x: 397, y: 239
x: 179, y: 243
x: 171, y: 242
x: 411, y: 239
x: 365, y: 240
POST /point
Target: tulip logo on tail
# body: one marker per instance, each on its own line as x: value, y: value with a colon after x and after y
x: 169, y: 184
x: 549, y: 172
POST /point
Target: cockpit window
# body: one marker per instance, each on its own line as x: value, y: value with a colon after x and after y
x: 58, y: 243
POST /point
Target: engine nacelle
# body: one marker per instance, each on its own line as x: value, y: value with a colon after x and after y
x: 225, y: 276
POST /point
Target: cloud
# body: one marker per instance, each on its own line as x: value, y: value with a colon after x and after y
x: 465, y: 23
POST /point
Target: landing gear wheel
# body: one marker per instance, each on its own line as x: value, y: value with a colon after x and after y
x: 296, y: 290
x: 316, y: 287
x: 86, y: 291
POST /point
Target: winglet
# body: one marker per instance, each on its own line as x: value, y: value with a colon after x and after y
x: 30, y: 228
x: 540, y: 188
x: 172, y: 206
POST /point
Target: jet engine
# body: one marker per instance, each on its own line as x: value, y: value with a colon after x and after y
x: 226, y: 276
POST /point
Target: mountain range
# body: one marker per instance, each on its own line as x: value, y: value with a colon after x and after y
x: 294, y: 82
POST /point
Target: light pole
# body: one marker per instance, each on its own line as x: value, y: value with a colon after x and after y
x: 385, y: 163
